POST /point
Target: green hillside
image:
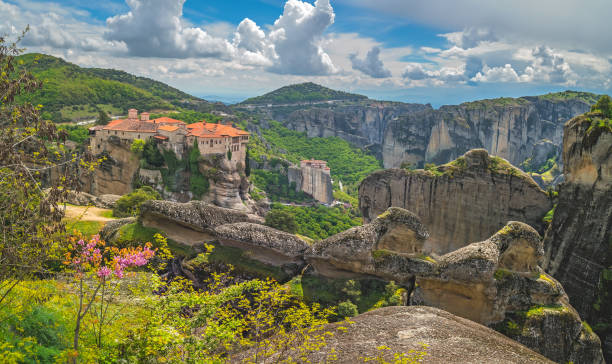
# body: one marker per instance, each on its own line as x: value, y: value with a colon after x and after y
x: 71, y: 92
x: 303, y: 92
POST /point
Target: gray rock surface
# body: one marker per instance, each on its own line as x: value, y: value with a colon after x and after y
x: 265, y: 244
x: 390, y: 247
x: 111, y: 228
x: 463, y: 201
x: 578, y: 243
x: 195, y: 215
x: 498, y: 282
x: 449, y: 339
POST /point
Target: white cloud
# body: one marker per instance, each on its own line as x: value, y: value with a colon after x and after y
x: 497, y: 74
x: 297, y: 37
x: 565, y: 24
x: 155, y: 28
x: 470, y: 37
x: 371, y: 65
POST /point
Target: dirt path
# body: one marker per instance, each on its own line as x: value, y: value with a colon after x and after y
x: 87, y: 213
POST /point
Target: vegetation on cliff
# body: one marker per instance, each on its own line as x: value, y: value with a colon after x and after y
x: 348, y: 164
x: 303, y: 92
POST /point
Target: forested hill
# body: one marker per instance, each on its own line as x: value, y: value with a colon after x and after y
x: 303, y: 92
x: 71, y: 92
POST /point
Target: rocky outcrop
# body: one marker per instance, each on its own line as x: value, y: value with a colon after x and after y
x: 447, y: 339
x: 195, y: 214
x: 578, y: 243
x: 418, y: 134
x: 498, y: 282
x: 111, y: 228
x: 390, y: 248
x: 85, y: 199
x: 316, y: 182
x: 463, y: 201
x: 228, y: 184
x: 116, y: 172
x: 265, y: 244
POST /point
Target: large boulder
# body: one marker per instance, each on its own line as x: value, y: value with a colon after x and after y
x: 265, y: 244
x: 498, y: 282
x: 390, y: 247
x: 578, y: 244
x: 444, y: 337
x: 190, y: 223
x: 460, y: 202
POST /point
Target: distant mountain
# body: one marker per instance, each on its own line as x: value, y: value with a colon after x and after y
x: 71, y: 92
x: 303, y: 92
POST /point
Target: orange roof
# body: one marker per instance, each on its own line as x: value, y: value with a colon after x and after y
x: 130, y: 125
x: 168, y: 128
x: 161, y: 137
x: 166, y: 120
x: 210, y: 130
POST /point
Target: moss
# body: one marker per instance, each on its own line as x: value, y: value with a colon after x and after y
x: 381, y: 254
x: 546, y: 278
x: 426, y: 258
x: 501, y: 274
x: 505, y: 230
x: 541, y: 310
x: 548, y: 218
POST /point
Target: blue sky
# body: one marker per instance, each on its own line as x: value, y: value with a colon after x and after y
x: 433, y: 51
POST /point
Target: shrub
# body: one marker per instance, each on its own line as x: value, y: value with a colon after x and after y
x: 604, y: 105
x: 347, y: 309
x: 137, y: 146
x: 129, y: 205
x: 151, y: 154
x: 282, y: 220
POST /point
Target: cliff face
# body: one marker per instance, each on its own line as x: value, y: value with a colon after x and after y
x: 418, y: 134
x: 313, y: 181
x: 464, y: 201
x: 361, y: 123
x: 579, y: 241
x: 116, y: 172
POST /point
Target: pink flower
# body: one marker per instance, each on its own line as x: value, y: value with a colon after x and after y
x: 104, y: 272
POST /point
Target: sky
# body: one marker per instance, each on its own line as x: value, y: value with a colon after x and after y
x: 434, y: 51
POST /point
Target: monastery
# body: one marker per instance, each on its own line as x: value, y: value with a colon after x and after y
x: 172, y: 134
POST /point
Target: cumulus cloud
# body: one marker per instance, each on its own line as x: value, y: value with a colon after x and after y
x: 371, y: 65
x: 470, y: 37
x: 297, y: 37
x: 155, y: 28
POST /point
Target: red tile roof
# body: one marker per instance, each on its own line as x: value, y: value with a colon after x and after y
x: 166, y: 120
x: 131, y: 125
x: 168, y: 128
x: 210, y: 130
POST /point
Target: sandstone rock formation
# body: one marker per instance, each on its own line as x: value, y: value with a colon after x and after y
x: 228, y: 184
x: 390, y: 248
x: 190, y: 223
x: 316, y: 182
x: 116, y: 173
x: 449, y: 339
x: 463, y: 201
x: 499, y: 282
x: 418, y: 134
x: 265, y: 244
x: 578, y: 243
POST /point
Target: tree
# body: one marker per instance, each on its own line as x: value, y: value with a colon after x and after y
x: 103, y: 118
x: 30, y: 150
x: 129, y: 205
x: 247, y: 166
x: 604, y: 105
x: 137, y: 146
x: 151, y: 154
x: 282, y: 220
